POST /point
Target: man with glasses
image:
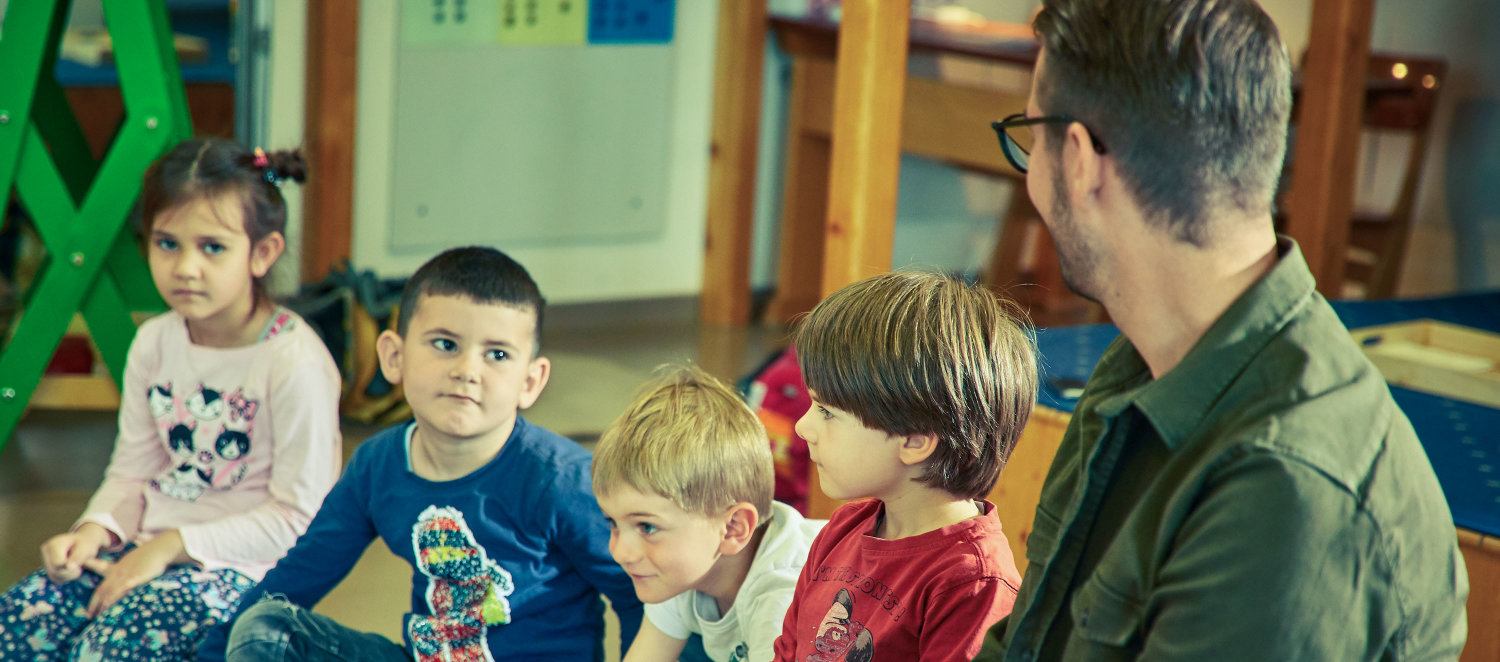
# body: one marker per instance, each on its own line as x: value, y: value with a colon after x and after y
x: 1236, y: 482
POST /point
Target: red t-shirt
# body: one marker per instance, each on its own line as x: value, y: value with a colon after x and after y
x: 929, y: 597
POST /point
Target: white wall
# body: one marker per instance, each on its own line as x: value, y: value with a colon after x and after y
x: 668, y: 263
x: 286, y: 109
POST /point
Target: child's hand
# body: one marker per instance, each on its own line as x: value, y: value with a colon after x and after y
x: 63, y: 555
x: 141, y: 565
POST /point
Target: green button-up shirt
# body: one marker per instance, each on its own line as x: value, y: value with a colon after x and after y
x: 1264, y: 500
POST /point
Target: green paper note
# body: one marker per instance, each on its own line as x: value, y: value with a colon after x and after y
x: 448, y: 22
x: 543, y: 22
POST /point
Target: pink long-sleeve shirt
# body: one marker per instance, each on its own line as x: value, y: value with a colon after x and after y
x: 235, y: 448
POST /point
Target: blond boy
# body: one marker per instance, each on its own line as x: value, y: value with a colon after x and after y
x: 685, y: 478
x: 920, y: 386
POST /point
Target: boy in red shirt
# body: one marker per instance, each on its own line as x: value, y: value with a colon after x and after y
x: 920, y: 386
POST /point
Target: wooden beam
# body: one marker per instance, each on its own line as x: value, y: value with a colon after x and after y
x: 866, y: 159
x: 940, y: 120
x: 739, y: 61
x: 1321, y: 197
x: 804, y: 195
x: 332, y: 69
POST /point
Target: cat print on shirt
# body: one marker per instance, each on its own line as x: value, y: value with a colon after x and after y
x: 160, y: 398
x: 208, y: 438
x: 183, y: 481
x: 466, y: 590
x: 206, y: 405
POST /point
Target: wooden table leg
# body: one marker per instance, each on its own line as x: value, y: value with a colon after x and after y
x: 1321, y: 195
x: 804, y: 204
x: 1008, y: 258
x: 731, y: 169
x: 866, y: 159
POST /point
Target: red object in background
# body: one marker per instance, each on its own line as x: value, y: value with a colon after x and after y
x: 74, y: 356
x: 779, y: 398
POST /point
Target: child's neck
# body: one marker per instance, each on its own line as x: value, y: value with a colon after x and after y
x: 232, y: 330
x: 920, y: 509
x: 438, y: 457
x: 724, y: 581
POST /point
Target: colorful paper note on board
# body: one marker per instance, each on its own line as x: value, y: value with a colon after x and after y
x: 543, y: 22
x: 448, y: 22
x: 631, y: 21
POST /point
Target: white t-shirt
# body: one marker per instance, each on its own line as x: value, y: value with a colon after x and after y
x: 754, y: 621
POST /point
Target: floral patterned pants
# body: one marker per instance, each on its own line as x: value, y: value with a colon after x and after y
x: 162, y: 619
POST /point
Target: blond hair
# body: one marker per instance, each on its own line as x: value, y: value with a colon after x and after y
x: 920, y: 353
x: 689, y: 438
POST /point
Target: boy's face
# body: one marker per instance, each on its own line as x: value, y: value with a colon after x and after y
x: 853, y: 461
x: 466, y: 366
x: 665, y: 549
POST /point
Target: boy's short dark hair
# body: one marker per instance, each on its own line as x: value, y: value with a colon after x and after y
x: 920, y: 353
x: 479, y: 273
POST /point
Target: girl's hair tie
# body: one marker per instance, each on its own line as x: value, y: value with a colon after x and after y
x: 264, y: 163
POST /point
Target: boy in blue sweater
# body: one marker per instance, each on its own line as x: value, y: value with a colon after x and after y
x: 508, y: 548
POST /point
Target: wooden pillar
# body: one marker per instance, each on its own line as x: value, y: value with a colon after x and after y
x: 740, y: 58
x: 1321, y: 197
x: 866, y: 159
x: 804, y: 197
x: 332, y: 68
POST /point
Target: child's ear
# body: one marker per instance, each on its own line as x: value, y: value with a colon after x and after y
x: 739, y: 528
x: 536, y: 379
x: 916, y: 448
x: 264, y: 253
x: 388, y: 348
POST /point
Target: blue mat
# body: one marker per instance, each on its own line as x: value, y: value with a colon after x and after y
x: 1462, y: 439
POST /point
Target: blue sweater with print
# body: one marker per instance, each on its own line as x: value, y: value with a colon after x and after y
x: 512, y: 556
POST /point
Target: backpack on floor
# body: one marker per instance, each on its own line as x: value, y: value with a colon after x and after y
x: 779, y: 397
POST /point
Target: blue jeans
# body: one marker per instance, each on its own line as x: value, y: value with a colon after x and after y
x: 276, y: 630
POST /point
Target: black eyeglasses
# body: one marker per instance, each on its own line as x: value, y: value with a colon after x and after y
x: 1015, y: 136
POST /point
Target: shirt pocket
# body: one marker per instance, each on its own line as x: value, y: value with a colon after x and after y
x: 1106, y: 623
x: 1042, y: 541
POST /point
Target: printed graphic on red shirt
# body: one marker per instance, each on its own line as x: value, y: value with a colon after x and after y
x: 840, y: 637
x: 207, y: 435
x: 465, y: 590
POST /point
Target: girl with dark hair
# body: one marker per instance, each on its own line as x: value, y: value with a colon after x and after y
x: 206, y: 488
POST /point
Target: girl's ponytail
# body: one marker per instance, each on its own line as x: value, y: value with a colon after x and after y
x: 278, y: 165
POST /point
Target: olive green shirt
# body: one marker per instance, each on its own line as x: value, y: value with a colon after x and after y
x: 1264, y: 500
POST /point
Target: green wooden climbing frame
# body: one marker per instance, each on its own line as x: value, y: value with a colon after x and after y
x: 81, y: 207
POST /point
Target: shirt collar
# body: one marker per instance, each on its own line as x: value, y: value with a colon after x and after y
x: 1178, y: 401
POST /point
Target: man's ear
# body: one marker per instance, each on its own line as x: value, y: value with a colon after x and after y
x: 536, y: 379
x: 739, y: 528
x: 264, y: 253
x: 916, y: 448
x: 1082, y: 166
x: 388, y: 348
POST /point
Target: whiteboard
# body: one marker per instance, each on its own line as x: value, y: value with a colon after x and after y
x: 529, y: 145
